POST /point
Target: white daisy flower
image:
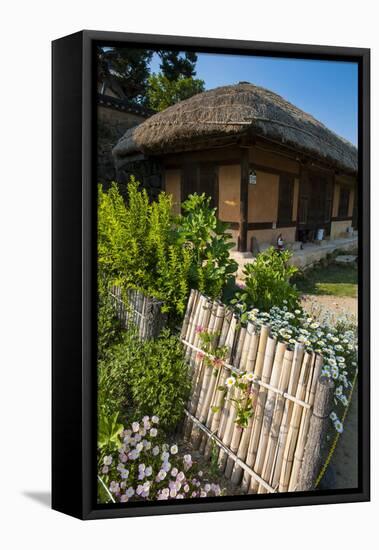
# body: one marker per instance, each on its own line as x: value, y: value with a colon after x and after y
x: 230, y: 381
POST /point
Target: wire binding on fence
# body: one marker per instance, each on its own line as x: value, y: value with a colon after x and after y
x: 254, y: 380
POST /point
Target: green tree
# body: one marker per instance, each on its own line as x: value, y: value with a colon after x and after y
x: 163, y: 92
x: 176, y: 64
x: 125, y: 71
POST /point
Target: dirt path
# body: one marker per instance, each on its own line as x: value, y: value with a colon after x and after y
x: 324, y: 306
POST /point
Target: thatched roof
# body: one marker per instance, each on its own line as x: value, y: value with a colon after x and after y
x: 230, y: 113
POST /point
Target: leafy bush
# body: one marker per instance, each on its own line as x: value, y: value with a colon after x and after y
x: 141, y: 467
x: 199, y: 227
x: 159, y: 379
x: 267, y: 282
x: 108, y: 325
x: 150, y: 376
x: 141, y: 245
x: 136, y: 246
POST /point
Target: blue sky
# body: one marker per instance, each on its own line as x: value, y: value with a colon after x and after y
x: 328, y: 90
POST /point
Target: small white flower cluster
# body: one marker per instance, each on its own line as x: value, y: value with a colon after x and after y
x: 147, y: 471
x: 338, y: 347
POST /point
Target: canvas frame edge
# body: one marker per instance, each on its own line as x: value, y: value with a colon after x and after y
x: 82, y: 282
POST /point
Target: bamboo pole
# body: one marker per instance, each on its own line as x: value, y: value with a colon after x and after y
x: 194, y: 360
x: 214, y: 374
x: 235, y: 431
x: 219, y: 398
x: 294, y: 424
x: 284, y: 427
x: 284, y: 418
x: 206, y: 386
x: 288, y: 381
x: 254, y: 367
x: 142, y: 317
x: 238, y: 431
x: 193, y: 326
x: 197, y: 357
x: 191, y: 305
x: 261, y: 401
x: 279, y: 379
x: 213, y: 418
x: 313, y: 452
x: 229, y: 410
x: 239, y: 346
x: 304, y: 426
x: 258, y: 369
x: 190, y: 331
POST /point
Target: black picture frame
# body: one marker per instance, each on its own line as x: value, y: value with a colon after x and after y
x: 74, y: 275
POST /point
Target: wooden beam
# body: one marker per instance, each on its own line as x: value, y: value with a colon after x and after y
x: 244, y: 200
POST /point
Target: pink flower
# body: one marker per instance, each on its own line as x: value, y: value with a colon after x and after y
x: 199, y: 329
x: 114, y: 487
x: 180, y: 476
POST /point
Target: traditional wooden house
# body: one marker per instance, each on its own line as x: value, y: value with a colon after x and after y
x: 269, y: 167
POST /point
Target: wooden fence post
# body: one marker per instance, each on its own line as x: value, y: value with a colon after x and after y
x: 312, y: 459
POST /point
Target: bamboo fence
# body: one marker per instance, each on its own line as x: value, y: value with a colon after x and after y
x: 273, y: 452
x: 138, y: 311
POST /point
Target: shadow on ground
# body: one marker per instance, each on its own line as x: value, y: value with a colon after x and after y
x: 41, y: 497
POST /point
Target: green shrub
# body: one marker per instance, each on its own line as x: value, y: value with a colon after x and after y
x: 108, y: 325
x: 267, y: 282
x: 199, y: 228
x: 141, y: 245
x: 137, y: 249
x: 150, y: 377
x: 159, y: 380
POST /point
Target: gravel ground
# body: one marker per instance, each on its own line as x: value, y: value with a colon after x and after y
x: 325, y: 306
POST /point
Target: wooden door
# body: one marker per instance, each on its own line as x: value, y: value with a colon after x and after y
x: 285, y: 204
x: 200, y: 178
x: 315, y: 203
x: 208, y: 183
x: 189, y: 180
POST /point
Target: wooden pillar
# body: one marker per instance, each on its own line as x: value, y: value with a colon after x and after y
x: 244, y: 200
x: 314, y: 451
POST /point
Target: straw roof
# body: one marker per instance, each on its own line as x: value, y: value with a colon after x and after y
x: 229, y: 113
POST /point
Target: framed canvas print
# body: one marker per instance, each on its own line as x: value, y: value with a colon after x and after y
x: 210, y: 275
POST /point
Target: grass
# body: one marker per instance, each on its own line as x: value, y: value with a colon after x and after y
x: 333, y: 280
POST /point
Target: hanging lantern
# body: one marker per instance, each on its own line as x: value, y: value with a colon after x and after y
x: 252, y: 177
